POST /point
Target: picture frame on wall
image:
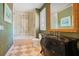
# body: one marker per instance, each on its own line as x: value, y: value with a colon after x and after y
x: 66, y: 21
x: 7, y: 13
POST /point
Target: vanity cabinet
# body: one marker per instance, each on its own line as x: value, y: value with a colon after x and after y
x: 54, y: 45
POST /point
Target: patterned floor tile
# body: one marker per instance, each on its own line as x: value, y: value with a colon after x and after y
x: 25, y: 48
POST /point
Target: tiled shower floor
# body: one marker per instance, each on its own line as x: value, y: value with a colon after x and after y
x: 25, y: 48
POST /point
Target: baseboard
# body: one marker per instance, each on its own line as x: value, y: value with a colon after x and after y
x: 9, y: 50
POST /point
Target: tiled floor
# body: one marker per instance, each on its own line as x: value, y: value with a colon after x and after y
x: 25, y: 48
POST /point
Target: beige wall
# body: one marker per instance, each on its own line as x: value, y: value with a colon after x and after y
x: 20, y: 23
x: 24, y: 23
x: 31, y: 23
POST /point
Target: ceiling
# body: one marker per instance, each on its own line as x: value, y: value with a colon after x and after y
x: 26, y: 6
x: 32, y: 6
x: 56, y: 7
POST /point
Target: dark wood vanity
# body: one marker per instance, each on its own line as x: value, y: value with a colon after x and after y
x: 59, y: 45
